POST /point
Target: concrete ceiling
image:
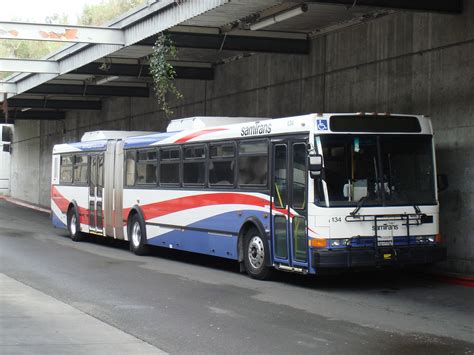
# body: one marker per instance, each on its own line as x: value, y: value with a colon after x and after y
x: 215, y: 36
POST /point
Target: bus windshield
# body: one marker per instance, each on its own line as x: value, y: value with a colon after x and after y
x: 376, y: 170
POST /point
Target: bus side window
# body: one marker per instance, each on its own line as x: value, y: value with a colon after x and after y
x: 169, y: 166
x: 65, y: 175
x: 253, y: 163
x: 130, y: 168
x: 222, y: 164
x: 146, y: 166
x: 81, y: 167
x: 194, y: 165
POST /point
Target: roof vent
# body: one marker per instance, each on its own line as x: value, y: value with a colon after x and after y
x: 199, y: 122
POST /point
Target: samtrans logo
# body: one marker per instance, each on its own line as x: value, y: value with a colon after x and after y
x: 255, y: 129
x: 386, y: 227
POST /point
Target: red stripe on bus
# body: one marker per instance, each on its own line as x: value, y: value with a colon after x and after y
x: 59, y: 200
x: 199, y: 133
x: 163, y: 208
x: 63, y: 205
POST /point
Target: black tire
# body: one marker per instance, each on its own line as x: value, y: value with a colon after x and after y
x: 137, y: 235
x: 256, y: 255
x: 74, y: 225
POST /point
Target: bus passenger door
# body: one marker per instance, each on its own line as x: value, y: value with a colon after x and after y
x: 289, y: 209
x: 95, y: 194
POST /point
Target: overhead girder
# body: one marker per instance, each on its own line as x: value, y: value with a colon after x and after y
x: 61, y: 33
x: 137, y: 70
x: 450, y: 6
x: 29, y: 66
x: 235, y: 43
x: 90, y: 90
x: 32, y: 115
x: 8, y: 88
x: 155, y: 17
x: 55, y: 104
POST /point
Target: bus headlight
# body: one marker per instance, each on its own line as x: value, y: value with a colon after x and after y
x: 425, y: 239
x: 339, y: 243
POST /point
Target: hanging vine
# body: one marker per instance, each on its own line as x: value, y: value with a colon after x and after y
x: 163, y: 72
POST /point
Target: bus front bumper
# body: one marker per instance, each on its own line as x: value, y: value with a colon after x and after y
x: 370, y: 257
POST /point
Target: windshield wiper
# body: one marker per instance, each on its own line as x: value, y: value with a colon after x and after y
x: 359, y: 205
x: 417, y: 209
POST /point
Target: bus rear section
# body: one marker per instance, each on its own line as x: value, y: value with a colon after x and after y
x: 86, y: 185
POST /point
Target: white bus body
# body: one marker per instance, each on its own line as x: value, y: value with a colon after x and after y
x: 244, y: 191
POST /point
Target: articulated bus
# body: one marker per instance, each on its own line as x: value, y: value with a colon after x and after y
x: 302, y: 194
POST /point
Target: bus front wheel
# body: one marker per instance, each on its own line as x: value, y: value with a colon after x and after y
x: 137, y: 236
x: 256, y: 254
x: 73, y: 225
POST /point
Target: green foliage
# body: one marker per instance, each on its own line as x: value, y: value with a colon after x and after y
x: 25, y: 50
x: 93, y: 15
x: 163, y: 72
x: 106, y: 10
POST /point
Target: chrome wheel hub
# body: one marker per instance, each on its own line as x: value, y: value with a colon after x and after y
x: 136, y: 234
x: 256, y: 252
x: 73, y: 225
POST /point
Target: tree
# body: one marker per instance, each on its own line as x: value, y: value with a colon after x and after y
x: 99, y: 14
x: 92, y: 15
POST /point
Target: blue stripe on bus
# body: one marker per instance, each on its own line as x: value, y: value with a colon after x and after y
x: 93, y: 145
x: 57, y: 222
x: 230, y: 222
x: 144, y: 141
x: 198, y: 242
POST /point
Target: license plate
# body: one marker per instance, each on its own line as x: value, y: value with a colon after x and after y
x: 384, y: 240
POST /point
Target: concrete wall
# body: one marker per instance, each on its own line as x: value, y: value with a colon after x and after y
x: 404, y: 63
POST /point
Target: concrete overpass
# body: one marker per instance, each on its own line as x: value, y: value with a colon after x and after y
x: 336, y: 56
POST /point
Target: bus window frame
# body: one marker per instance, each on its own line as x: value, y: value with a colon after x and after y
x: 145, y: 185
x: 267, y: 155
x: 171, y: 161
x: 66, y: 183
x: 88, y: 164
x: 233, y: 159
x: 125, y: 185
x: 204, y: 160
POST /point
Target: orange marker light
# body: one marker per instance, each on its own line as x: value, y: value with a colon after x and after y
x: 439, y: 238
x: 317, y: 243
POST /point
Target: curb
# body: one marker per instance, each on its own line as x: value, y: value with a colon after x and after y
x: 452, y: 278
x: 25, y: 204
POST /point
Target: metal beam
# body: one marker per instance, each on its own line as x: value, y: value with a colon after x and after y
x: 153, y: 17
x: 8, y: 88
x: 137, y: 70
x: 33, y: 115
x: 29, y: 66
x: 450, y: 6
x: 235, y: 43
x: 90, y: 90
x: 61, y: 33
x: 55, y: 104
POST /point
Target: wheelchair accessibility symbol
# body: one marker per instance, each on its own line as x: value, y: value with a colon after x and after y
x: 322, y: 125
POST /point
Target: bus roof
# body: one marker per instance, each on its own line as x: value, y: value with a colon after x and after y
x: 255, y: 128
x: 246, y: 127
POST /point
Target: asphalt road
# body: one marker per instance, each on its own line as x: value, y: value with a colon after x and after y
x: 185, y: 303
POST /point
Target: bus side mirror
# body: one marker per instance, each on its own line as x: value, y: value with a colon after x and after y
x: 315, y: 165
x: 442, y: 182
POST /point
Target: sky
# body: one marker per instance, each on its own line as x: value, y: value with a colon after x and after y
x: 38, y: 10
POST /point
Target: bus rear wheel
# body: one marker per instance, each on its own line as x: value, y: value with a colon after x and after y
x: 256, y: 254
x: 73, y: 225
x: 137, y: 236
